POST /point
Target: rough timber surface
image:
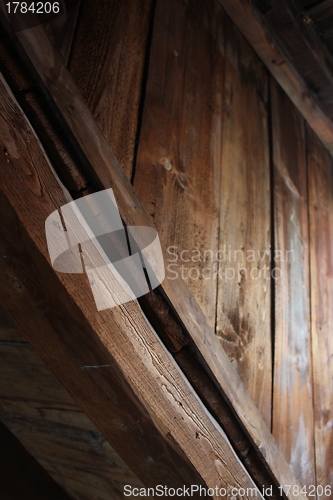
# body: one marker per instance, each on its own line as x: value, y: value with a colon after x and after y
x: 320, y: 167
x: 104, y: 360
x: 180, y: 140
x: 107, y: 63
x: 243, y: 320
x: 293, y: 424
x: 106, y: 171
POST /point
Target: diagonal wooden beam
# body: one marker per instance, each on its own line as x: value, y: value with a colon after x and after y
x: 113, y: 364
x: 103, y: 167
x: 289, y: 46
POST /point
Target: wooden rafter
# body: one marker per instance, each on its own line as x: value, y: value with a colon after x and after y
x: 288, y: 44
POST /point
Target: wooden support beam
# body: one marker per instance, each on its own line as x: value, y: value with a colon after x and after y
x: 112, y: 363
x: 294, y: 54
x: 106, y: 172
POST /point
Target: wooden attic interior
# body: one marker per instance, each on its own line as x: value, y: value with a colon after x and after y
x: 212, y: 121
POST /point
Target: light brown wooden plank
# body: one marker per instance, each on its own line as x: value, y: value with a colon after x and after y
x: 100, y: 358
x: 249, y: 21
x: 177, y: 175
x: 107, y: 173
x: 109, y: 69
x: 243, y: 301
x: 293, y: 424
x: 321, y: 252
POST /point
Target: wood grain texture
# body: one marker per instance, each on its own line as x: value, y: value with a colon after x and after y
x: 250, y: 23
x: 46, y: 420
x: 34, y: 107
x: 61, y: 30
x: 181, y: 140
x: 107, y: 173
x: 119, y: 359
x: 22, y: 477
x: 243, y: 302
x: 107, y: 63
x: 293, y: 424
x: 321, y: 251
x: 223, y: 414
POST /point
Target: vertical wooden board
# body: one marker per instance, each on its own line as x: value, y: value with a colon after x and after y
x: 61, y: 30
x: 107, y: 63
x: 320, y: 166
x: 243, y: 306
x: 179, y: 158
x: 292, y: 384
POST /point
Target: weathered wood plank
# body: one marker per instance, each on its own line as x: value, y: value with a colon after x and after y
x: 260, y: 35
x: 320, y: 167
x: 119, y: 345
x: 22, y: 478
x: 293, y: 424
x: 243, y: 302
x: 109, y: 69
x: 107, y: 173
x: 181, y: 141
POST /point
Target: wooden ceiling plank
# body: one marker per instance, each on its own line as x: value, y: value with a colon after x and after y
x: 243, y: 319
x: 112, y: 363
x: 273, y: 52
x: 320, y: 172
x: 110, y: 68
x: 107, y: 173
x: 293, y: 422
